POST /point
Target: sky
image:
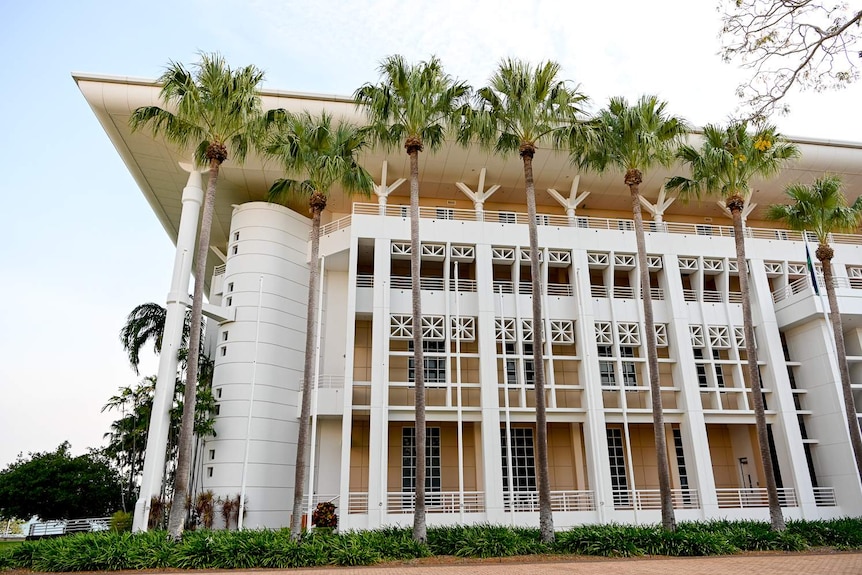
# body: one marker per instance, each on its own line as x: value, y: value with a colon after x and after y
x: 83, y: 248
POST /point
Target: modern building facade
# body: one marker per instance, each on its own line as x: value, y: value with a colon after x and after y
x: 479, y: 339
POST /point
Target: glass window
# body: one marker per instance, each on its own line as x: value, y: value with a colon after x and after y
x: 435, y: 366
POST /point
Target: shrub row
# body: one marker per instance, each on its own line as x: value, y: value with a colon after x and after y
x: 252, y: 549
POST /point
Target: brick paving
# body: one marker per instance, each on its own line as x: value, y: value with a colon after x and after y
x: 767, y: 564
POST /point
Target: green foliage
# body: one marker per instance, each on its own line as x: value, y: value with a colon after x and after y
x: 603, y: 540
x: 820, y: 208
x: 273, y: 549
x: 413, y: 101
x: 206, y: 107
x: 527, y: 106
x: 326, y: 153
x: 55, y: 485
x: 121, y: 521
x: 484, y: 541
x: 729, y: 158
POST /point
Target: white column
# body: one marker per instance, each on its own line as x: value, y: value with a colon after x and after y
x: 177, y: 301
x: 378, y: 434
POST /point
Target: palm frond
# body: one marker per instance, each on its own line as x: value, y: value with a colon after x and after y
x: 325, y: 152
x: 731, y: 156
x: 211, y: 104
x: 820, y: 208
x: 413, y: 101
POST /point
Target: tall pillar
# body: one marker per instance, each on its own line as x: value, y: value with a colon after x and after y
x: 177, y: 301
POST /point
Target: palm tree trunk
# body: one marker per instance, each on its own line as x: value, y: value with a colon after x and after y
x: 776, y: 518
x: 824, y: 254
x: 420, y: 531
x: 302, y: 446
x: 546, y: 517
x: 668, y: 519
x: 186, y: 438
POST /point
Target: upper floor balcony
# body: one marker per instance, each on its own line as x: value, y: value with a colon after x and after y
x: 562, y: 221
x: 798, y: 302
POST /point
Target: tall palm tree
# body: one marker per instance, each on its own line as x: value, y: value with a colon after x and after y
x: 416, y: 104
x: 822, y: 209
x: 327, y: 155
x: 635, y: 138
x: 521, y: 108
x: 724, y: 166
x: 213, y: 111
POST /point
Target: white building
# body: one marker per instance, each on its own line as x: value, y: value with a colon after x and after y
x: 478, y: 337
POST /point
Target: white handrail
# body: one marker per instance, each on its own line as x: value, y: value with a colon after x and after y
x: 457, y: 214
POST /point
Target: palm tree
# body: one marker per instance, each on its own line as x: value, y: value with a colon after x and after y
x: 415, y: 104
x: 635, y: 138
x: 520, y: 109
x: 822, y: 208
x: 146, y: 323
x: 128, y: 435
x: 212, y: 110
x: 327, y: 155
x: 724, y: 166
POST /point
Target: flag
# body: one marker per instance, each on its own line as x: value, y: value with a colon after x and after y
x: 811, y: 271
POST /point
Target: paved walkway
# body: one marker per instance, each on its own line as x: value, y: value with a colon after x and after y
x: 768, y: 564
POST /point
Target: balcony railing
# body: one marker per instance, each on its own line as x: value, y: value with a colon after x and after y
x: 711, y: 296
x: 357, y: 503
x: 440, y: 213
x: 319, y: 498
x: 651, y: 499
x: 623, y: 292
x: 437, y: 502
x: 560, y: 501
x: 327, y: 382
x: 754, y: 497
x: 803, y: 284
x: 825, y: 497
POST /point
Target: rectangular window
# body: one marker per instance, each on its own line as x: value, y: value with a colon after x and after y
x: 719, y: 369
x: 701, y: 369
x: 209, y: 471
x: 522, y: 457
x: 230, y: 287
x: 529, y: 372
x: 445, y: 214
x: 630, y: 375
x: 432, y: 459
x: 680, y: 463
x: 511, y: 365
x: 212, y: 454
x: 617, y: 461
x: 506, y: 217
x: 606, y: 373
x: 435, y: 366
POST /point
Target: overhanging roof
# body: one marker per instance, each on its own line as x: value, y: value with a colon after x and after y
x: 155, y: 165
